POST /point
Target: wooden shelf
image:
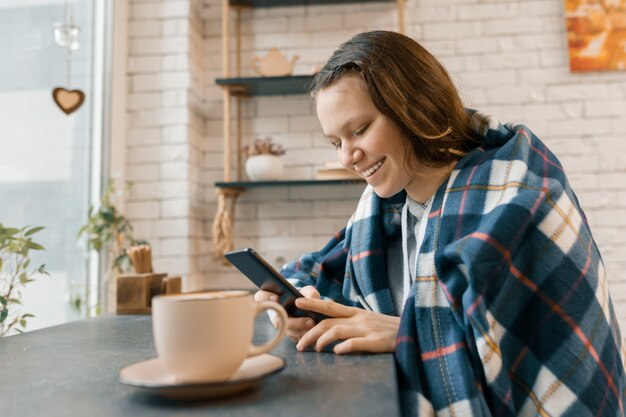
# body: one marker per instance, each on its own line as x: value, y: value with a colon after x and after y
x: 287, y: 3
x: 234, y: 85
x: 266, y: 86
x: 285, y: 183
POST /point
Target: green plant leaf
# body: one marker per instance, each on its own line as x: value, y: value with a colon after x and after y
x: 108, y: 215
x: 3, y: 314
x: 33, y: 231
x: 96, y: 245
x: 34, y: 246
x: 76, y: 303
x: 3, y: 300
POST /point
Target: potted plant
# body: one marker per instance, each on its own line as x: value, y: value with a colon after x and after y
x: 107, y: 229
x: 263, y: 161
x: 15, y: 274
x: 110, y: 233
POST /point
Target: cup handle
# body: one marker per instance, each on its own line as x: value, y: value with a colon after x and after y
x: 282, y: 328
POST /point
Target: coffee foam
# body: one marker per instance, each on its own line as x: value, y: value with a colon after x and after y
x: 207, y: 295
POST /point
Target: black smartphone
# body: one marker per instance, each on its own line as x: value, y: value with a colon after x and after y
x: 264, y: 276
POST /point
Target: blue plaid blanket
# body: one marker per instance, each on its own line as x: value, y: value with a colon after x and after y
x: 510, y: 312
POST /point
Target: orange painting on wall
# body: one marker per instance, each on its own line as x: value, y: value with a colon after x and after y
x: 596, y: 33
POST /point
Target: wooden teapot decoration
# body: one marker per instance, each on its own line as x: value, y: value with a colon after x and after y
x: 274, y: 64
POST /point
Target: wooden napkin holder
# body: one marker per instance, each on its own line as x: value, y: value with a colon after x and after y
x: 135, y: 291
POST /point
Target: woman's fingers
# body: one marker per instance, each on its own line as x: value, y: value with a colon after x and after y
x: 296, y: 323
x: 265, y: 296
x: 337, y: 332
x: 298, y: 327
x: 295, y: 335
x: 358, y: 330
x: 328, y: 308
x: 315, y: 333
x: 357, y: 344
x: 308, y: 291
x: 301, y: 323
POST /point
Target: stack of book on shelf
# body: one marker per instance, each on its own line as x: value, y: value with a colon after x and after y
x: 334, y: 171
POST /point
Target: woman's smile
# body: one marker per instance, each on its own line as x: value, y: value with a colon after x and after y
x: 368, y: 172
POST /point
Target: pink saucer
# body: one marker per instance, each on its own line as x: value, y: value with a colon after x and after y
x: 153, y: 376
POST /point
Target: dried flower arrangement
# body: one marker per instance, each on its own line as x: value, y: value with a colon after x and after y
x: 263, y: 146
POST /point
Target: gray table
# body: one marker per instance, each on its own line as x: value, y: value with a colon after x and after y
x: 71, y: 370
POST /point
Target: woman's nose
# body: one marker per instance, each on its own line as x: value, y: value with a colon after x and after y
x: 349, y: 156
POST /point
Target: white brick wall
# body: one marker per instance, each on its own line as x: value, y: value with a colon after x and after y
x: 162, y: 163
x: 508, y: 58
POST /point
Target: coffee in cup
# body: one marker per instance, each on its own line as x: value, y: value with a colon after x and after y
x: 206, y: 336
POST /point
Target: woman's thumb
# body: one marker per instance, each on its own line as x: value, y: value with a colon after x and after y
x: 310, y: 292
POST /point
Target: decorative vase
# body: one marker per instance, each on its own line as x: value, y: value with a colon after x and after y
x: 264, y: 167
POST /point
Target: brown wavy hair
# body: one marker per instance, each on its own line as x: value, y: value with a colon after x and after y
x: 408, y: 85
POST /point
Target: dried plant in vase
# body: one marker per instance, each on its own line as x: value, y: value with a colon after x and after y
x: 263, y: 146
x: 263, y: 160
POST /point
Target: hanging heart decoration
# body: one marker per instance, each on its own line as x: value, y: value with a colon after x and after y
x: 68, y: 100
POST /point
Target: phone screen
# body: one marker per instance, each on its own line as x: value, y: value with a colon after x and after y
x: 264, y: 276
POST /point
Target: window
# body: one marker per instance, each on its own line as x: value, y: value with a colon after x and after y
x: 48, y: 160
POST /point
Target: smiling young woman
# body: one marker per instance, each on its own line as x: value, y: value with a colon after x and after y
x: 374, y: 146
x: 468, y: 254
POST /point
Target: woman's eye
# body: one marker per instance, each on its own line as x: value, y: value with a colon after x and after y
x: 336, y: 144
x: 360, y: 131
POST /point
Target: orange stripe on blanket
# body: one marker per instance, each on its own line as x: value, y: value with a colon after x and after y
x: 365, y: 254
x: 543, y: 155
x: 426, y: 279
x: 434, y: 354
x: 434, y: 214
x: 404, y: 339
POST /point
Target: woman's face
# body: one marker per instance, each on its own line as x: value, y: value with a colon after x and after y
x: 367, y: 141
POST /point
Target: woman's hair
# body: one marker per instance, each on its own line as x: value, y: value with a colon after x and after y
x: 408, y: 85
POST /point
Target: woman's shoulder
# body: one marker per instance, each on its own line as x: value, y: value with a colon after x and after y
x: 510, y: 153
x: 509, y: 147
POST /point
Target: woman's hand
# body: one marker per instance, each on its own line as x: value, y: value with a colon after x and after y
x: 360, y: 330
x: 296, y: 326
